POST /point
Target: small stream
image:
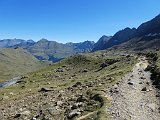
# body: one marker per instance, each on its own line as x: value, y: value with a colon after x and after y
x: 9, y: 82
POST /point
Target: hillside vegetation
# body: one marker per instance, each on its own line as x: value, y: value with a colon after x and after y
x: 15, y: 62
x: 71, y: 89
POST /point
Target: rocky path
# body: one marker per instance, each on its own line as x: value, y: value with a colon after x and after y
x: 134, y: 98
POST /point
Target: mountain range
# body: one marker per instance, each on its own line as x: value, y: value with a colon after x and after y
x: 48, y: 50
x: 146, y: 36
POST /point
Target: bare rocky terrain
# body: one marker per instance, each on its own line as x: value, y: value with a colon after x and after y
x: 75, y: 89
x: 135, y: 98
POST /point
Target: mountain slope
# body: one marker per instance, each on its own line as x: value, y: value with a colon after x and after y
x: 54, y: 51
x: 147, y: 35
x: 14, y: 62
x: 10, y: 42
x: 151, y: 27
x: 73, y: 88
x: 141, y: 43
x: 120, y: 37
x: 48, y: 50
x: 100, y: 44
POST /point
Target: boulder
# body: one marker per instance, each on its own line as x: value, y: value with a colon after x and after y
x: 130, y: 83
x: 144, y: 89
x: 73, y: 114
x: 77, y: 84
x: 81, y: 98
x: 17, y: 115
x: 60, y: 103
x: 26, y: 113
x: 85, y: 70
x: 44, y: 90
x: 152, y: 106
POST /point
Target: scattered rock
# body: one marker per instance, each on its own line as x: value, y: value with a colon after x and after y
x: 81, y: 98
x: 74, y: 107
x: 115, y: 86
x: 60, y: 70
x: 48, y: 83
x: 21, y: 81
x: 149, y: 67
x: 26, y: 113
x: 34, y: 118
x: 57, y: 76
x: 11, y: 93
x: 100, y: 84
x: 152, y: 106
x: 110, y: 78
x: 103, y: 65
x: 142, y: 78
x: 44, y: 90
x: 127, y: 56
x: 131, y: 76
x: 79, y: 104
x: 158, y: 95
x: 73, y: 114
x: 23, y: 86
x: 147, y: 83
x: 85, y: 70
x: 59, y: 103
x: 17, y: 115
x: 77, y: 84
x: 144, y: 89
x: 130, y: 83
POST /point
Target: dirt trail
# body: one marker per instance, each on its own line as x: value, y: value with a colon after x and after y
x: 134, y: 98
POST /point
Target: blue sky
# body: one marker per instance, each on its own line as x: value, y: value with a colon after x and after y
x: 72, y: 20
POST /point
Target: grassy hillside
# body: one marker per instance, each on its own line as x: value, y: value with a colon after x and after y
x: 76, y: 85
x: 14, y: 62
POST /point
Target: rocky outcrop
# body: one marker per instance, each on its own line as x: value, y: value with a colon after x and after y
x: 149, y: 28
x: 120, y: 37
x: 100, y: 44
x: 146, y: 36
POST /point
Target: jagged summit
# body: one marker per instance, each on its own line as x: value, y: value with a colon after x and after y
x: 146, y: 35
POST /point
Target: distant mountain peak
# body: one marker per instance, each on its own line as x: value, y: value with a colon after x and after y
x: 101, y: 42
x: 48, y: 50
x: 158, y: 16
x: 30, y: 41
x: 43, y: 40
